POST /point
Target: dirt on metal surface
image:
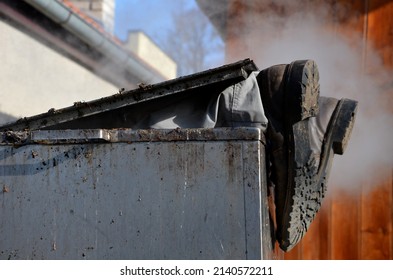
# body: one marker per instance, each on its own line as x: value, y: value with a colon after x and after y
x: 128, y: 135
x: 206, y: 81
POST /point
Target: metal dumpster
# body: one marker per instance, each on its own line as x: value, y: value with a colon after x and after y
x: 83, y: 183
x: 135, y: 194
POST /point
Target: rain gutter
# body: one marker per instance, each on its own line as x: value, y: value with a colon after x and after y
x: 100, y: 41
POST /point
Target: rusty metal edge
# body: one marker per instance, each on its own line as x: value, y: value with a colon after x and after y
x: 83, y: 136
x: 235, y: 71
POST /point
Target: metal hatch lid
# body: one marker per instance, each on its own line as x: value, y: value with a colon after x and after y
x: 226, y: 74
x: 81, y: 136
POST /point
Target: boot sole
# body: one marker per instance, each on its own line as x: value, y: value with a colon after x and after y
x: 309, y: 187
x: 302, y: 90
x: 301, y: 94
x: 344, y: 124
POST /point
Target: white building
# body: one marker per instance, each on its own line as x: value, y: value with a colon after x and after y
x: 53, y: 53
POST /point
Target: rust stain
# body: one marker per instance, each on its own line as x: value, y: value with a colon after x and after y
x: 34, y: 154
x: 5, y: 189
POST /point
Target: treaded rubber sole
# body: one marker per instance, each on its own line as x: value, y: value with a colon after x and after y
x: 302, y: 90
x: 302, y: 95
x: 345, y: 121
x: 310, y: 183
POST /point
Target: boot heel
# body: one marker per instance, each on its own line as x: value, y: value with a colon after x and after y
x: 343, y: 124
x: 302, y: 89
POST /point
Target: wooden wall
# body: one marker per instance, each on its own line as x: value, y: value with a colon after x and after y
x: 358, y: 226
x: 349, y: 225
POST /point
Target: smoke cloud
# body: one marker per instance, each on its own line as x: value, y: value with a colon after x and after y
x: 349, y: 68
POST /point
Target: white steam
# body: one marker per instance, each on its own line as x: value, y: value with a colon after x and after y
x: 344, y: 73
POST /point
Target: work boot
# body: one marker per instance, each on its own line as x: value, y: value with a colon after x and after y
x: 304, y: 133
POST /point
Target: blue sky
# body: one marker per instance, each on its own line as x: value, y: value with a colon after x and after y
x: 154, y: 17
x: 151, y: 16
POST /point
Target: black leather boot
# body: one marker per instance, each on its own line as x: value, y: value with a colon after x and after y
x: 304, y: 131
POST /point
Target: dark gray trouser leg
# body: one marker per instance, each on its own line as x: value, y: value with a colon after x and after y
x: 238, y: 105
